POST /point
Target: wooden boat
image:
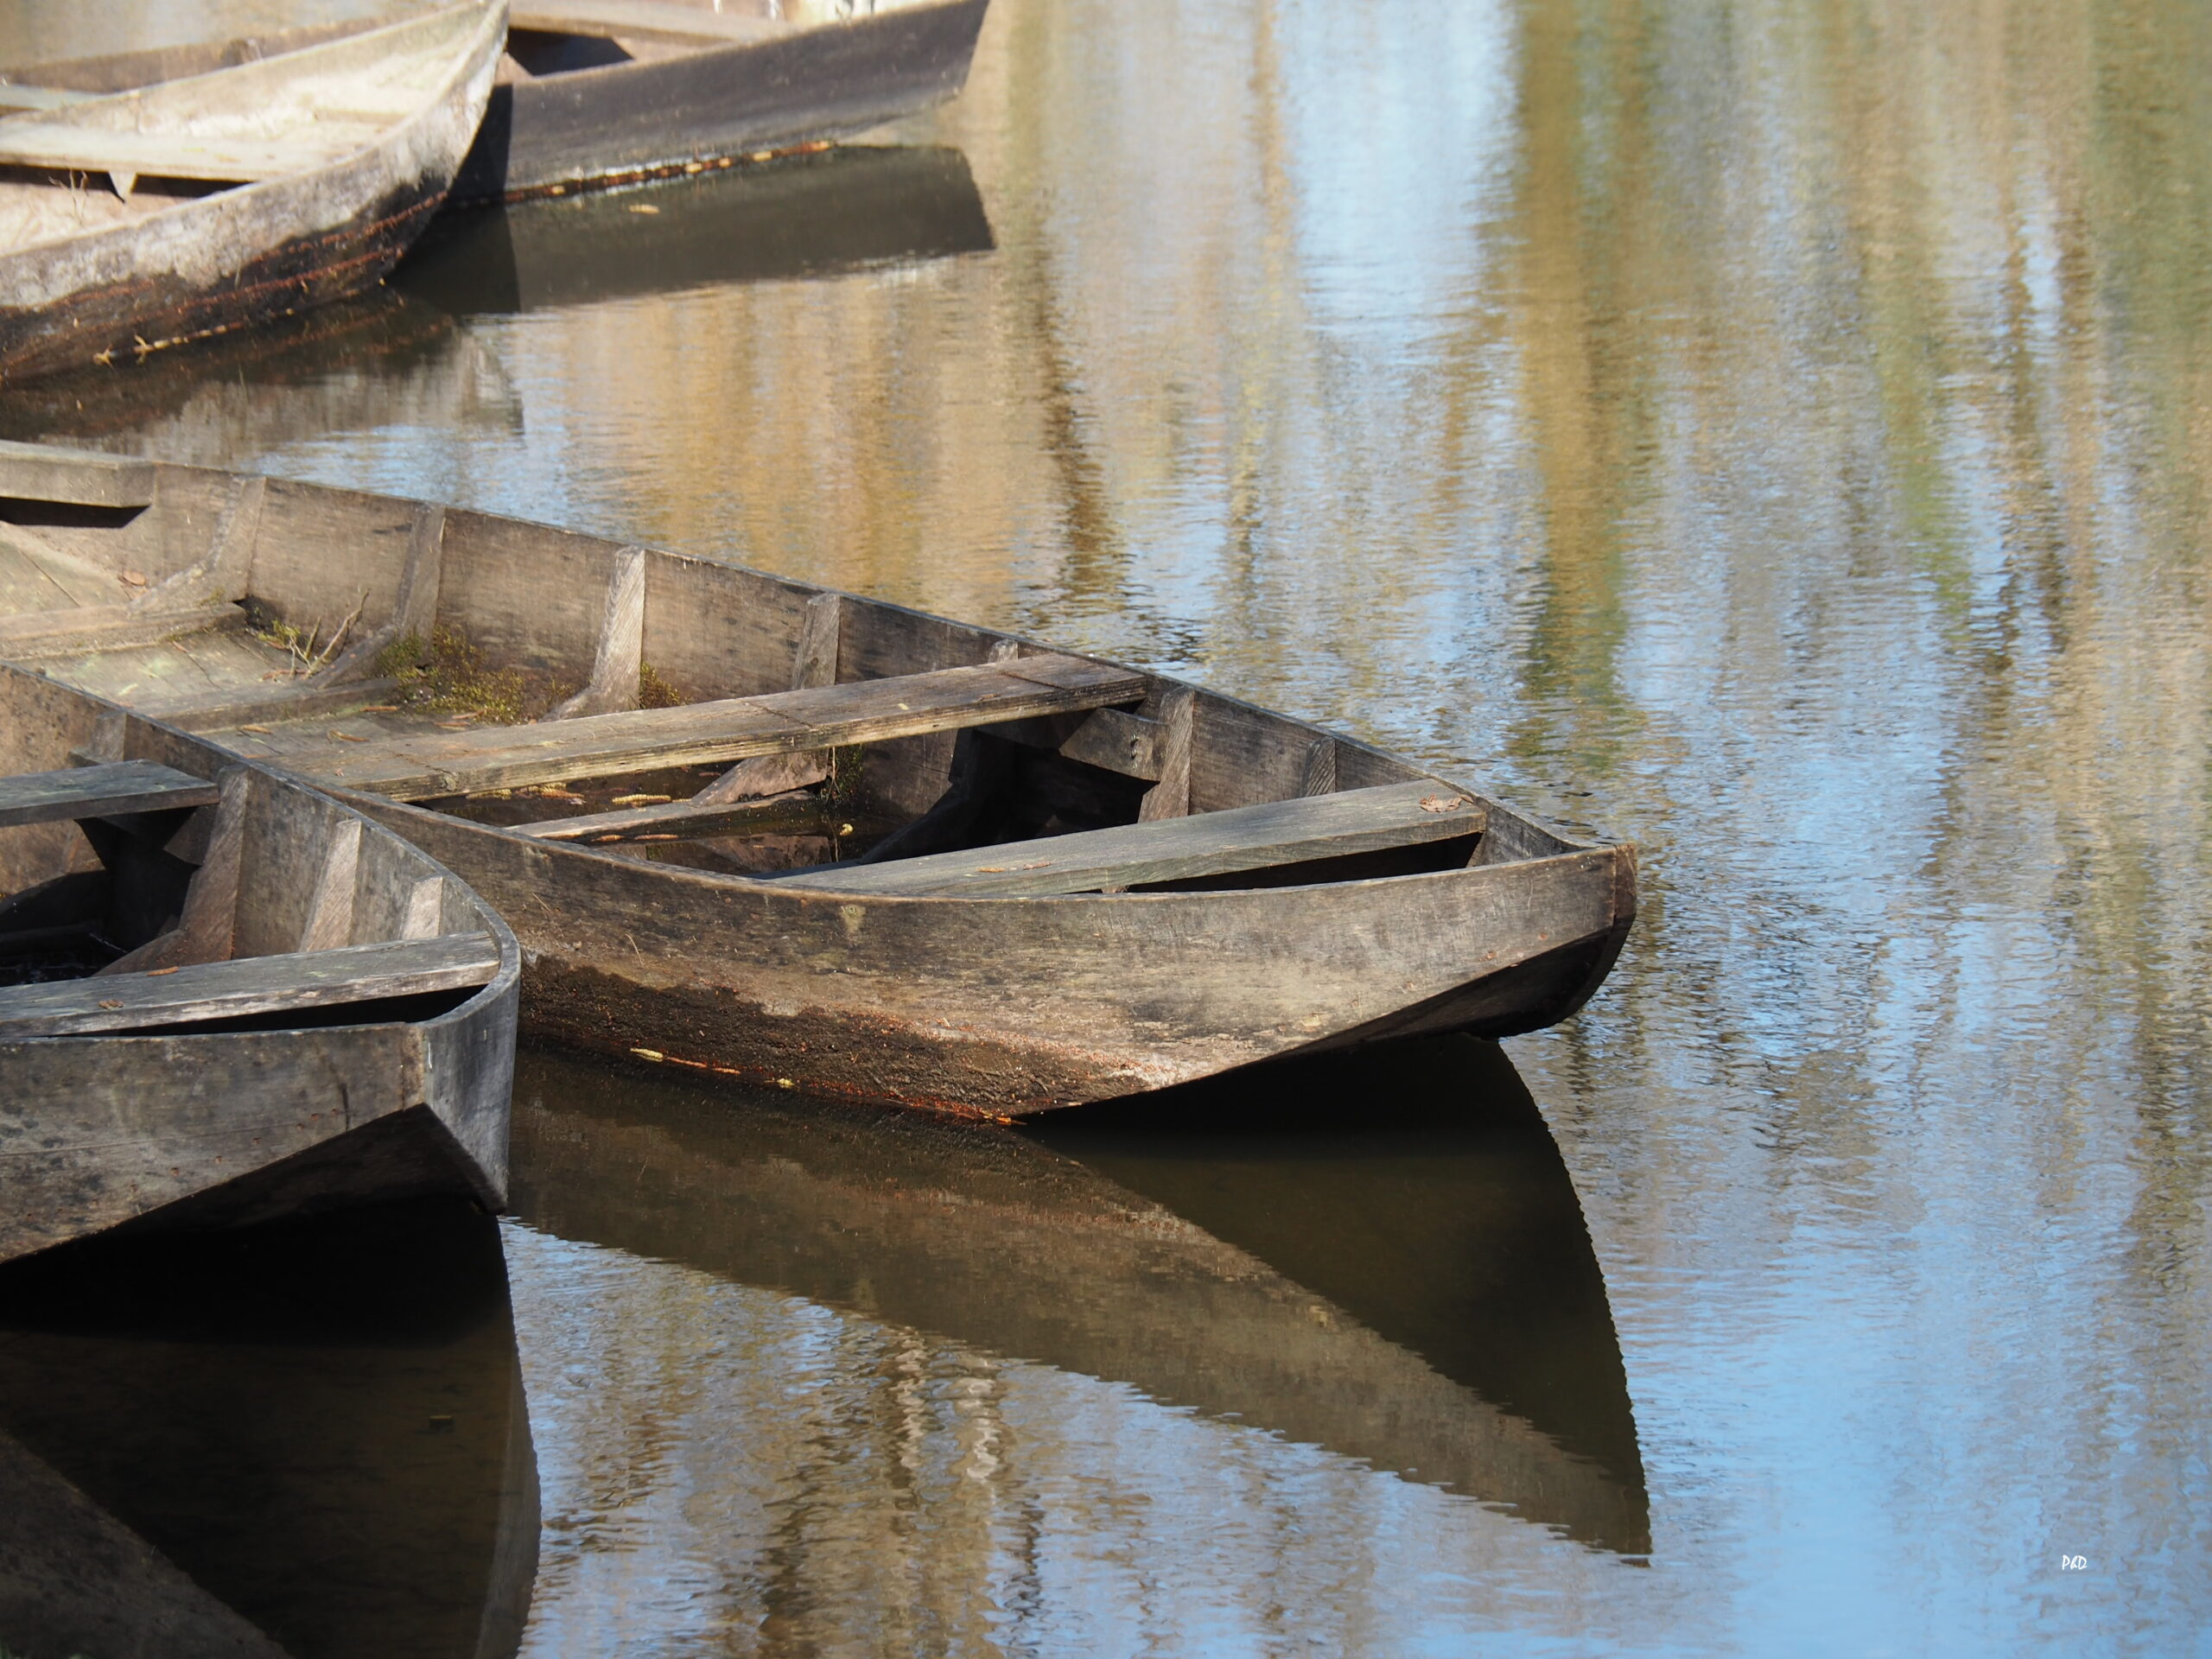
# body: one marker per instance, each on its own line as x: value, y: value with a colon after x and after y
x: 599, y: 91
x: 135, y: 219
x: 224, y: 997
x: 319, y: 1426
x: 1479, y: 1355
x: 801, y: 834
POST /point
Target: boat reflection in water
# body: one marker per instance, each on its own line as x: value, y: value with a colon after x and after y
x: 380, y: 361
x: 306, y: 1438
x: 407, y: 359
x: 1379, y: 1254
x: 815, y: 215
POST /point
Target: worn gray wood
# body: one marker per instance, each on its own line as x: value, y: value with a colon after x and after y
x: 330, y: 910
x: 38, y: 635
x: 99, y: 793
x: 345, y: 146
x: 415, y: 607
x: 621, y: 655
x: 85, y: 478
x: 420, y: 767
x: 1170, y: 798
x: 247, y: 985
x: 227, y: 708
x: 690, y: 817
x: 1174, y: 849
x: 815, y: 663
x: 1319, y: 776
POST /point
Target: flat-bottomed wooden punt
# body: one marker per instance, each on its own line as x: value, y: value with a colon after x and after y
x: 135, y: 217
x: 224, y: 997
x: 597, y: 91
x: 804, y: 836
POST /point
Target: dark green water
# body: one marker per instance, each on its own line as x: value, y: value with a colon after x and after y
x: 1780, y: 432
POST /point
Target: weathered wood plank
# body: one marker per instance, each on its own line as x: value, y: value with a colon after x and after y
x: 414, y: 605
x: 610, y: 19
x: 228, y: 707
x: 620, y: 653
x: 99, y: 793
x: 330, y: 911
x: 26, y: 143
x: 693, y: 817
x: 248, y: 985
x: 82, y: 477
x: 815, y: 662
x: 89, y: 628
x: 1318, y: 775
x: 422, y: 765
x: 1174, y: 849
x: 1170, y: 798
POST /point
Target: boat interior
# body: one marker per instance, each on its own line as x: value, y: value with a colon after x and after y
x: 657, y: 706
x: 75, y: 157
x: 138, y: 896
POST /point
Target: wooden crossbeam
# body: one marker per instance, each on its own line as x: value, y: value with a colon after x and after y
x: 37, y: 634
x: 228, y: 707
x: 99, y: 793
x: 248, y: 985
x: 82, y: 477
x: 28, y: 143
x: 610, y: 19
x: 424, y: 764
x: 691, y: 817
x: 1174, y: 849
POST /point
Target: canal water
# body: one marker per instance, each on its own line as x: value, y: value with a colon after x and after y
x: 1780, y: 434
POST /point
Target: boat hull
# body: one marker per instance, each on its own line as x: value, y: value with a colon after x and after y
x: 1011, y: 1007
x: 633, y: 120
x: 208, y: 265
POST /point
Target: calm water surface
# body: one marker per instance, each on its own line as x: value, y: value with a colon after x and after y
x: 1778, y: 433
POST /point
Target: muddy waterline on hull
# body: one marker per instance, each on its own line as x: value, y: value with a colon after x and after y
x: 1775, y: 432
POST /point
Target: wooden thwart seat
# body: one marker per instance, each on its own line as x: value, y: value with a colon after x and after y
x: 1173, y: 850
x: 420, y: 766
x: 248, y: 985
x: 612, y: 19
x: 99, y: 793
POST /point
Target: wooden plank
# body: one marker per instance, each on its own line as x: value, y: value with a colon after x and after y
x: 620, y: 653
x: 330, y: 910
x: 1174, y: 849
x: 1170, y: 798
x: 612, y: 19
x: 16, y: 96
x: 227, y: 708
x: 815, y: 662
x: 691, y: 817
x: 1318, y: 775
x: 99, y: 793
x: 422, y: 765
x: 248, y: 985
x: 39, y: 634
x: 414, y: 605
x: 26, y: 143
x: 82, y: 477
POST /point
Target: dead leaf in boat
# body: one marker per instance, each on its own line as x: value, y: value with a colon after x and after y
x: 136, y: 578
x: 642, y: 800
x: 1444, y: 803
x: 155, y: 973
x: 346, y: 737
x: 111, y: 1002
x: 381, y: 708
x: 258, y: 731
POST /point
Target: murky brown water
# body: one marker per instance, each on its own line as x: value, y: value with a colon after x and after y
x: 1781, y: 433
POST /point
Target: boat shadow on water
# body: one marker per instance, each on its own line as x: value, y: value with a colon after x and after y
x: 1378, y: 1254
x: 306, y: 1437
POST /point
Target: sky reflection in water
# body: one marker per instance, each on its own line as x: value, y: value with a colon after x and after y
x: 1777, y: 432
